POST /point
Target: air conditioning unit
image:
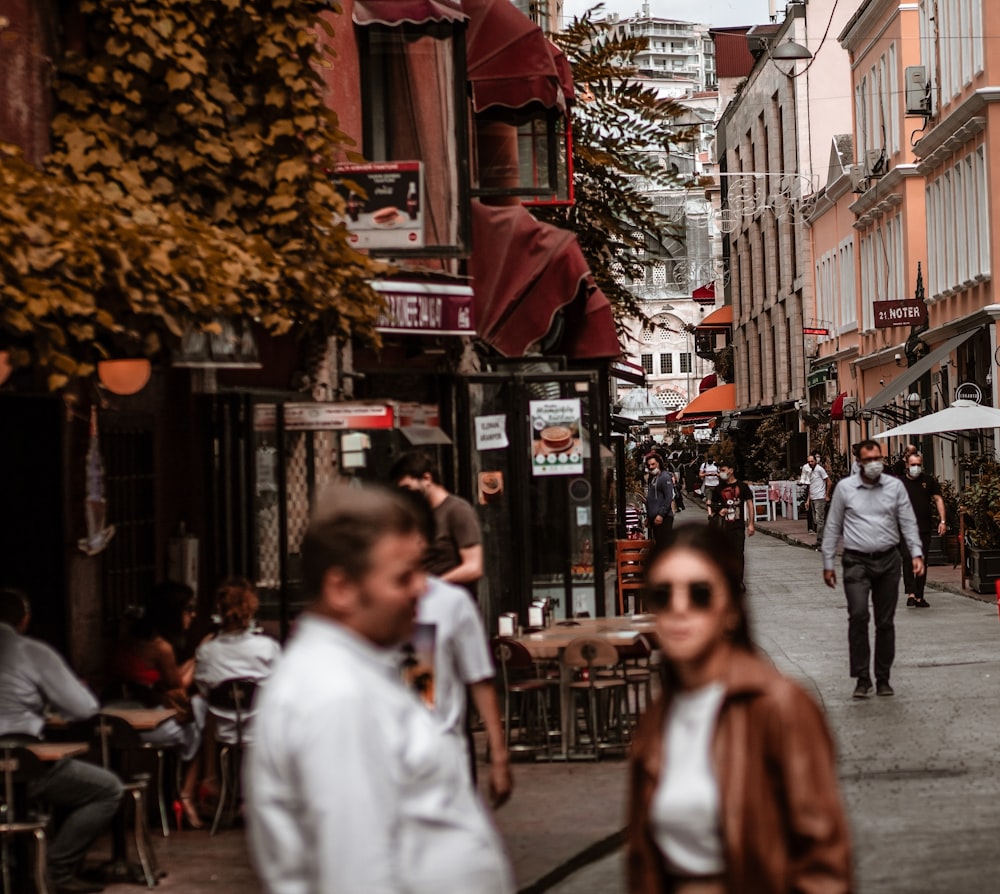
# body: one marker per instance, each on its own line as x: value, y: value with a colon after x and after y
x: 918, y: 90
x: 876, y: 163
x: 859, y: 178
x: 832, y: 390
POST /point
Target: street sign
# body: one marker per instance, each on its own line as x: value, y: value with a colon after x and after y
x: 909, y: 312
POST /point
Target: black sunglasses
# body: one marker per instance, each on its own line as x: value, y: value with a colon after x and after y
x: 699, y: 595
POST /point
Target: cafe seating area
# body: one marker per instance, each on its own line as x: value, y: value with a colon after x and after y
x: 575, y: 689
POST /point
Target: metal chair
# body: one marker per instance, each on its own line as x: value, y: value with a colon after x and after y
x: 19, y: 766
x: 596, y: 664
x: 114, y: 739
x: 630, y: 566
x: 522, y: 684
x: 231, y: 700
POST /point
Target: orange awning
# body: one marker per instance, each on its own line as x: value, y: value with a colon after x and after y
x: 719, y: 319
x: 713, y: 402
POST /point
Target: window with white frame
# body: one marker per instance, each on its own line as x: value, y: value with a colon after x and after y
x: 894, y: 103
x: 647, y: 364
x: 958, y: 225
x: 957, y: 31
x: 867, y: 280
x: 685, y: 366
x: 847, y: 318
x: 666, y: 364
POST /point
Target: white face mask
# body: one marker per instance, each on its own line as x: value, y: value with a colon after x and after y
x: 723, y: 476
x: 873, y: 468
x: 914, y: 471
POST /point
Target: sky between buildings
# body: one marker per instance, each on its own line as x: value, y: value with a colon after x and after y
x: 715, y: 13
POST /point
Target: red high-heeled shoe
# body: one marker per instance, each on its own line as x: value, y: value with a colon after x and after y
x: 186, y: 809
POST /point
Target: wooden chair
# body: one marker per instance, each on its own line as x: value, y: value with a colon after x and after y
x: 630, y: 566
x: 522, y: 684
x: 18, y: 766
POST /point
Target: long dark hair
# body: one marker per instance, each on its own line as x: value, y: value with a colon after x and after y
x: 715, y: 545
x: 163, y: 613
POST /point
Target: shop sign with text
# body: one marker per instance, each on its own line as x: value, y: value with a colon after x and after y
x: 911, y: 312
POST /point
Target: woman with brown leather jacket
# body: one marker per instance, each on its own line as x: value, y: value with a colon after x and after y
x: 733, y: 786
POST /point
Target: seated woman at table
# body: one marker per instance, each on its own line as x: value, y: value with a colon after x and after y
x: 235, y: 652
x: 146, y: 662
x: 733, y: 782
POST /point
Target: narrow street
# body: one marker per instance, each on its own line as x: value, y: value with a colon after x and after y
x: 919, y: 771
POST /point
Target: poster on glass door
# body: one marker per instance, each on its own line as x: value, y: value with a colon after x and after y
x: 556, y: 446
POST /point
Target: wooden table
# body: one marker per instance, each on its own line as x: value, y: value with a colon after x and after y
x: 50, y: 752
x: 142, y: 719
x: 549, y: 644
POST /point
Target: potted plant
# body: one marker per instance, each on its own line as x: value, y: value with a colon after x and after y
x: 979, y: 506
x: 950, y: 539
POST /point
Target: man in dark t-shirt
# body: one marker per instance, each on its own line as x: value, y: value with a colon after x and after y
x: 925, y: 496
x: 732, y: 509
x: 456, y: 555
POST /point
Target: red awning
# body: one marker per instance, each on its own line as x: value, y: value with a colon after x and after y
x: 705, y: 294
x: 718, y: 320
x: 593, y: 336
x: 414, y: 12
x: 713, y: 402
x: 710, y: 381
x: 565, y: 72
x: 837, y: 407
x: 524, y: 273
x: 510, y: 63
x: 671, y: 416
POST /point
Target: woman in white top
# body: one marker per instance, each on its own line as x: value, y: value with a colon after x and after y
x: 733, y: 779
x: 235, y: 653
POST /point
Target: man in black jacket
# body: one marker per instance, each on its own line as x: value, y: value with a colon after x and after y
x: 659, y: 498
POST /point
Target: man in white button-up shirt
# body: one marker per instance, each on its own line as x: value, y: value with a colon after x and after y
x: 351, y: 785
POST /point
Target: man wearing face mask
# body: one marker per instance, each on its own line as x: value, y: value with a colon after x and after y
x: 870, y: 510
x: 659, y: 499
x: 925, y: 496
x: 732, y: 509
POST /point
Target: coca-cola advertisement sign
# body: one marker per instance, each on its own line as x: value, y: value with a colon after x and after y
x: 384, y: 203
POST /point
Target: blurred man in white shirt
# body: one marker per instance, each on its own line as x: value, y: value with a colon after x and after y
x: 352, y: 784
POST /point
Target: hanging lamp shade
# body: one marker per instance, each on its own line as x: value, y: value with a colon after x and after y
x: 124, y: 377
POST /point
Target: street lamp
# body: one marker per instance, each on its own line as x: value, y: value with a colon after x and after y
x: 913, y: 401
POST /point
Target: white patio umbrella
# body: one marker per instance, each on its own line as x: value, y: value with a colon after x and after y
x: 962, y: 415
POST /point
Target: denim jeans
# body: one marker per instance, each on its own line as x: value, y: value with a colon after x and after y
x: 90, y: 795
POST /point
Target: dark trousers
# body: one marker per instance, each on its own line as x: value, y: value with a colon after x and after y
x: 661, y: 531
x: 90, y: 795
x: 912, y: 583
x: 879, y: 577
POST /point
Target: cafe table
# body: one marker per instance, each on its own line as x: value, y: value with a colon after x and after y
x: 549, y: 643
x: 50, y: 752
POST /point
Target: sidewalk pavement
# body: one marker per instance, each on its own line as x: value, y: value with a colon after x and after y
x: 940, y: 577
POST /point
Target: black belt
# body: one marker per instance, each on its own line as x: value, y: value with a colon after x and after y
x: 881, y: 554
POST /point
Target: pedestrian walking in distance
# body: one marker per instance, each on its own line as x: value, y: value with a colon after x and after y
x: 732, y: 509
x: 352, y: 784
x: 733, y: 782
x: 659, y: 498
x: 818, y: 494
x: 925, y: 497
x: 870, y: 510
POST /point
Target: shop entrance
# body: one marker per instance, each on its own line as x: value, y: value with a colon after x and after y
x: 543, y: 483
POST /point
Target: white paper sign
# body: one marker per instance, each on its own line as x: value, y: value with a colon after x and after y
x: 491, y: 432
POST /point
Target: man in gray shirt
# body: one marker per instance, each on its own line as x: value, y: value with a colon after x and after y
x: 870, y: 510
x: 34, y: 676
